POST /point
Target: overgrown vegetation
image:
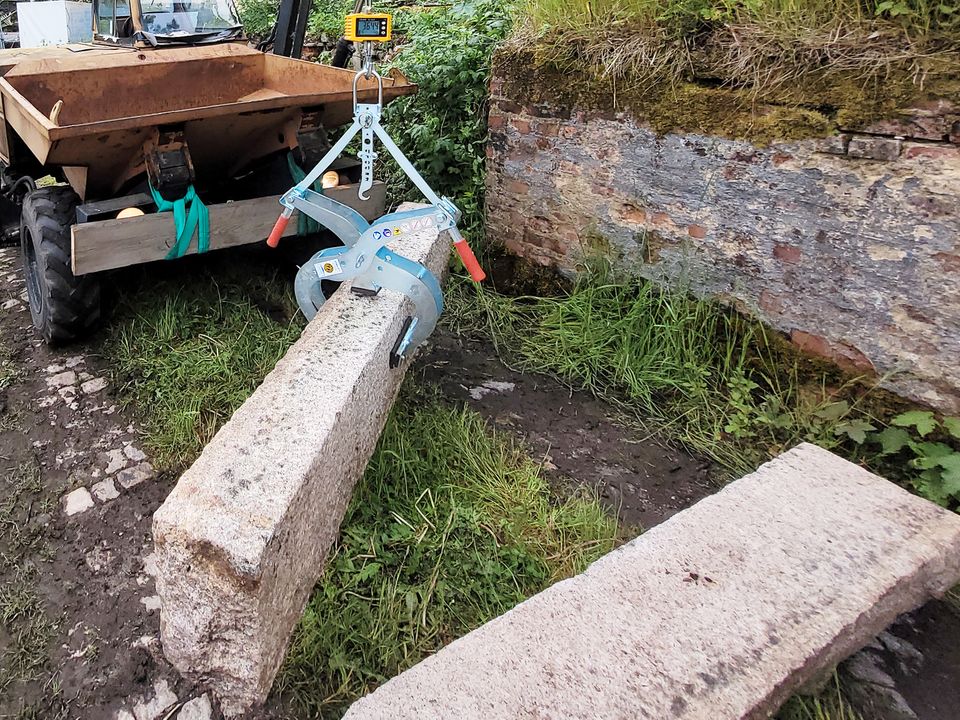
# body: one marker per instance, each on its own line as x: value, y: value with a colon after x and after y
x: 706, y: 376
x: 921, y: 448
x: 710, y: 378
x: 443, y: 128
x: 757, y: 41
x: 451, y: 526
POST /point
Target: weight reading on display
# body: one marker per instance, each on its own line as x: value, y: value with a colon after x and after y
x: 370, y: 28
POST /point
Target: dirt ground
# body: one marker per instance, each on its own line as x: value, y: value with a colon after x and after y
x: 640, y: 478
x: 79, y: 619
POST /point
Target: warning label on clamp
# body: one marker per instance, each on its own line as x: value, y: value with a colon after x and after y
x: 328, y: 267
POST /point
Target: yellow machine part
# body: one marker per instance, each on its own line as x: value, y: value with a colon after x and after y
x: 362, y: 27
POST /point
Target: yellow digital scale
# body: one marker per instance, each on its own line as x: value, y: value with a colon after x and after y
x: 366, y: 27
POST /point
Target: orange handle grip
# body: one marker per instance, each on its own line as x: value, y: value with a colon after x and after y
x: 277, y: 231
x: 470, y: 261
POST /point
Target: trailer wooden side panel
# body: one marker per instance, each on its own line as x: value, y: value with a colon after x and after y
x: 110, y: 244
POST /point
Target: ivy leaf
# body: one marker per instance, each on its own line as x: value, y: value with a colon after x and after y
x: 856, y: 430
x: 929, y: 454
x: 922, y: 420
x: 833, y: 411
x: 893, y: 439
x: 952, y: 425
x: 951, y: 474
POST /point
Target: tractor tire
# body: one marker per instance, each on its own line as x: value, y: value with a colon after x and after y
x: 64, y: 307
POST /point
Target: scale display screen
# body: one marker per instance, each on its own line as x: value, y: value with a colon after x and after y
x: 371, y: 27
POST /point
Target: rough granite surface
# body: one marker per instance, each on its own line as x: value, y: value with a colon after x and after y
x: 243, y: 537
x: 719, y: 613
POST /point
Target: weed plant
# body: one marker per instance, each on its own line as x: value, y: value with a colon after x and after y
x: 451, y: 526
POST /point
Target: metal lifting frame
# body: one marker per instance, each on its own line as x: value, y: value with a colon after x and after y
x: 365, y: 258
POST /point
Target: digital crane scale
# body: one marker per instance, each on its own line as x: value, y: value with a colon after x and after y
x: 363, y: 27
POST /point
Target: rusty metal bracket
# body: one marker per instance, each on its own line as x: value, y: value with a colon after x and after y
x: 169, y: 166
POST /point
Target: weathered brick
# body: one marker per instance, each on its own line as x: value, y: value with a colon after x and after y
x: 548, y: 110
x: 697, y: 231
x: 787, y: 253
x: 950, y: 262
x: 938, y: 151
x: 874, y: 148
x: 834, y: 145
x: 521, y: 126
x: 808, y: 342
x: 548, y: 129
x: 633, y: 215
x: 507, y: 106
x: 495, y: 122
x: 770, y: 302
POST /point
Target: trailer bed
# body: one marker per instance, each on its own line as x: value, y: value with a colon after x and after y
x: 91, y: 109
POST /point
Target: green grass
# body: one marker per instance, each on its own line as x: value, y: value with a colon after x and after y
x: 451, y: 526
x: 686, y: 15
x: 831, y: 704
x: 188, y: 354
x: 22, y: 489
x: 706, y: 375
x: 766, y: 45
x: 29, y: 629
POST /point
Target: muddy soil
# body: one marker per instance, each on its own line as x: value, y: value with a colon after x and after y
x: 79, y: 619
x: 580, y: 441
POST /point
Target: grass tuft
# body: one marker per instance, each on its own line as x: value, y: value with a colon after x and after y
x: 763, y: 44
x: 831, y: 704
x: 28, y: 629
x: 451, y: 526
x: 188, y: 354
x: 706, y: 375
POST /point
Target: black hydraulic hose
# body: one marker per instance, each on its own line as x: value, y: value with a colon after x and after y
x: 25, y: 180
x: 343, y: 53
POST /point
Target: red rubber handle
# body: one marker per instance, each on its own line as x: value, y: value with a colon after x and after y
x: 470, y: 261
x: 277, y: 231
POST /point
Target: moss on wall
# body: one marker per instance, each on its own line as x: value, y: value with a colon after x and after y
x: 815, y: 104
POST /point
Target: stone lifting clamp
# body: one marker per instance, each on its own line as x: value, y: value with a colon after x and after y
x: 365, y: 258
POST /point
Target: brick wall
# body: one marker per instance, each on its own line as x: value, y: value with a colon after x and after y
x: 849, y: 244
